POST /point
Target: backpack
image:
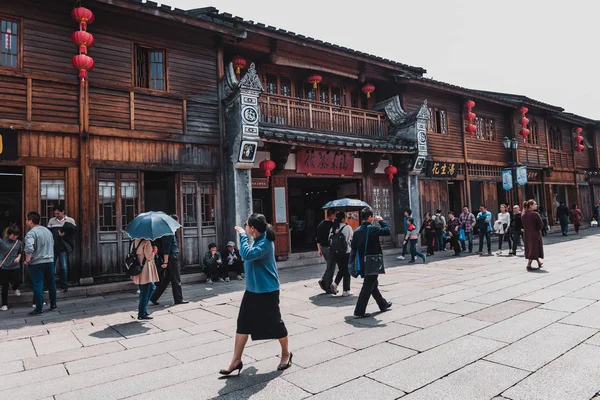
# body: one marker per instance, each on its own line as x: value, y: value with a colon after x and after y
x: 133, y: 266
x: 439, y: 222
x: 338, y: 242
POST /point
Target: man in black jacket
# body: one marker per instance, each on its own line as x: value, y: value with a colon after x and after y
x: 515, y: 229
x: 323, y: 230
x: 373, y: 247
x: 562, y: 213
x: 234, y: 261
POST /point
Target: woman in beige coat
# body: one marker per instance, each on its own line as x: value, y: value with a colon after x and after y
x: 149, y: 275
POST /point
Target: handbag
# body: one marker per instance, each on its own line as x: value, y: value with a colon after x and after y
x: 8, y: 254
x: 461, y: 235
x: 373, y: 262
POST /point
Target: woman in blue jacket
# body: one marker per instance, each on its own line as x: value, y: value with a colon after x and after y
x: 259, y: 314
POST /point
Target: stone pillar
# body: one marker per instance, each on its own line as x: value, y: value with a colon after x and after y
x: 241, y: 119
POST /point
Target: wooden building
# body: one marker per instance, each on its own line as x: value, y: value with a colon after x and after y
x: 144, y: 132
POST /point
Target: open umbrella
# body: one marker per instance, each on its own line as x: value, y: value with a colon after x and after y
x: 152, y: 225
x: 340, y: 203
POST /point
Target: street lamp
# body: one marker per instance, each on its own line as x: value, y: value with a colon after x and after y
x: 512, y: 145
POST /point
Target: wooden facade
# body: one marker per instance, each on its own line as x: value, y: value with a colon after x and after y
x: 140, y: 135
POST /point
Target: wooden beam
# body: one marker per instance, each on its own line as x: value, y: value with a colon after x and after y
x: 184, y: 115
x: 29, y: 100
x: 288, y: 62
x: 148, y: 135
x: 131, y: 110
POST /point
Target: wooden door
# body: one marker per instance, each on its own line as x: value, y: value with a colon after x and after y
x: 587, y: 202
x: 118, y: 202
x: 280, y: 216
x: 434, y: 196
x: 381, y: 201
x: 198, y: 219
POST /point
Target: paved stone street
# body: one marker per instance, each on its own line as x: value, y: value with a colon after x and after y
x: 468, y: 328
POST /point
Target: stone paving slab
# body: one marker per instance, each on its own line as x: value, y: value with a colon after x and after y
x: 588, y: 316
x: 359, y: 389
x: 462, y: 307
x: 428, y: 318
x: 573, y: 376
x: 568, y: 304
x: 366, y: 337
x: 319, y: 353
x: 500, y: 312
x: 72, y: 355
x: 16, y: 350
x: 481, y: 380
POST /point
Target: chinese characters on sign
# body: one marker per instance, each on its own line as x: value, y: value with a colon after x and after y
x: 442, y: 169
x: 326, y: 162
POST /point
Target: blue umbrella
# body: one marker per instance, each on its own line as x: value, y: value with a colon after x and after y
x: 152, y: 225
x: 339, y: 203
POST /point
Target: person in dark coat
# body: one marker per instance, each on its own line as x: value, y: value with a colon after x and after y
x: 562, y: 213
x: 373, y: 247
x: 453, y: 231
x: 429, y: 228
x: 234, y: 261
x: 515, y: 229
x: 576, y: 218
x: 532, y: 234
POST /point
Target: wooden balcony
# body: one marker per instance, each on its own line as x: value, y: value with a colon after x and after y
x: 311, y: 115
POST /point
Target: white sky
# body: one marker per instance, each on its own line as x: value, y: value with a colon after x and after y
x: 544, y: 49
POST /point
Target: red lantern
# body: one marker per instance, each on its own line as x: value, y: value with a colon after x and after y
x: 524, y: 110
x: 525, y: 132
x: 82, y: 39
x: 83, y: 16
x: 315, y: 80
x: 579, y: 148
x: 524, y: 121
x: 83, y: 64
x: 578, y: 130
x: 368, y: 89
x: 390, y: 171
x: 238, y: 63
x: 470, y: 104
x: 472, y: 129
x: 267, y: 166
x: 471, y: 116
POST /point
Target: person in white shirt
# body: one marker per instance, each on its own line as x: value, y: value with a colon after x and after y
x: 63, y: 230
x: 503, y: 223
x: 340, y: 238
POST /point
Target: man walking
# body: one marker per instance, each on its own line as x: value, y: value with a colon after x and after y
x: 323, y: 230
x: 515, y: 229
x: 467, y: 222
x: 562, y: 213
x: 440, y: 225
x: 170, y: 264
x: 373, y: 247
x: 39, y: 256
x: 407, y: 216
x: 484, y: 224
x: 63, y: 230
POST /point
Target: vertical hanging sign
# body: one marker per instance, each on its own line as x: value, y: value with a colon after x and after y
x: 507, y: 179
x: 522, y: 176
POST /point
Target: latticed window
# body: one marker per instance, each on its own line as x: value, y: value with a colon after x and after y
x: 480, y: 124
x: 271, y: 84
x: 438, y: 121
x: 336, y: 96
x: 480, y: 170
x: 207, y: 199
x: 189, y: 204
x: 533, y: 137
x: 107, y: 206
x: 149, y: 68
x: 486, y: 128
x: 9, y: 49
x: 52, y: 194
x: 285, y: 86
x: 555, y: 139
x: 324, y: 95
x: 129, y: 202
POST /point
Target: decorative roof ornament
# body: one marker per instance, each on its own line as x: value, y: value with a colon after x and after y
x: 251, y: 80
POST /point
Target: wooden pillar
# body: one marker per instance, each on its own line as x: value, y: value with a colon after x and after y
x: 85, y: 189
x: 466, y: 160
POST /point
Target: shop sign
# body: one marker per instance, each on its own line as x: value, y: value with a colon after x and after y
x: 507, y: 179
x: 9, y: 145
x: 594, y: 180
x: 325, y: 162
x: 534, y: 176
x: 442, y: 170
x: 522, y: 176
x: 260, y: 183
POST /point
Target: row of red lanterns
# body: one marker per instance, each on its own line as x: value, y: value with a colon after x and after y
x: 579, y: 139
x: 84, y: 40
x: 470, y: 117
x: 524, y: 123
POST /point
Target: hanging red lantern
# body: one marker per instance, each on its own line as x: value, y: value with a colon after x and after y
x: 579, y: 139
x: 579, y: 148
x: 368, y: 89
x: 469, y: 104
x: 390, y: 171
x: 524, y: 110
x: 83, y: 39
x: 471, y: 129
x: 315, y: 79
x: 578, y: 130
x: 239, y: 63
x: 525, y: 132
x: 524, y: 121
x: 83, y: 64
x: 83, y: 16
x: 267, y: 166
x: 470, y: 117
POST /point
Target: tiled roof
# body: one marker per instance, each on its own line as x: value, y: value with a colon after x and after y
x: 291, y: 135
x: 520, y: 99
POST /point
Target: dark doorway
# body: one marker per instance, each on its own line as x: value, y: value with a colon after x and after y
x: 11, y: 197
x: 261, y: 202
x: 306, y: 197
x: 454, y: 197
x: 159, y: 192
x: 475, y: 196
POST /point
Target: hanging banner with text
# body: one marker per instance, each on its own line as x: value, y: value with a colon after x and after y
x: 326, y: 162
x: 507, y: 179
x: 522, y: 176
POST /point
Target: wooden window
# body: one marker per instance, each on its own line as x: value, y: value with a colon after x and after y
x: 149, y: 68
x: 189, y: 204
x: 129, y: 202
x: 107, y: 206
x: 9, y: 49
x: 271, y: 84
x: 438, y: 121
x: 354, y: 99
x: 555, y: 139
x: 480, y: 124
x: 207, y: 204
x: 336, y: 96
x: 486, y: 128
x: 533, y: 137
x: 299, y: 89
x: 310, y: 92
x: 324, y: 94
x: 285, y: 86
x: 52, y: 195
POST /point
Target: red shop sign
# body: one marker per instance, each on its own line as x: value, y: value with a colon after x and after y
x: 325, y: 162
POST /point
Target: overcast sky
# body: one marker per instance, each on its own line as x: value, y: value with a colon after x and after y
x: 544, y: 49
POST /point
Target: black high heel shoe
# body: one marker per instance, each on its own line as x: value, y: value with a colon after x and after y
x: 238, y: 367
x: 282, y: 367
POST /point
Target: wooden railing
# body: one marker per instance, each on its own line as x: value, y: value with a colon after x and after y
x: 303, y: 114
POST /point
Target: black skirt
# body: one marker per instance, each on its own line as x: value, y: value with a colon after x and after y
x: 260, y: 317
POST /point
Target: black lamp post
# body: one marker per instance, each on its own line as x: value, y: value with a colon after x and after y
x: 512, y: 145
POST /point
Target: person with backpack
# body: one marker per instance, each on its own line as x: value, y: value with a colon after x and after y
x: 440, y: 225
x: 412, y: 236
x: 429, y: 228
x: 340, y: 240
x: 145, y: 279
x: 324, y: 251
x: 10, y: 263
x: 407, y: 215
x: 484, y: 224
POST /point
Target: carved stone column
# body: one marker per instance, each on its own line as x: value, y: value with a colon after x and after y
x: 241, y: 118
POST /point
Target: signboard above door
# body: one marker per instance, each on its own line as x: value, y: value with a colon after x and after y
x: 442, y: 169
x: 324, y: 162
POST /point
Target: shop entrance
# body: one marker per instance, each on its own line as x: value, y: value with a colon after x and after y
x: 11, y: 197
x: 159, y: 192
x: 306, y: 196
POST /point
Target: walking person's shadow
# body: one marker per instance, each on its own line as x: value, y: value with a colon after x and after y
x: 248, y: 383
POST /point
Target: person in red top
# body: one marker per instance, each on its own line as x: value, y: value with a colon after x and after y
x: 576, y: 218
x: 412, y: 236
